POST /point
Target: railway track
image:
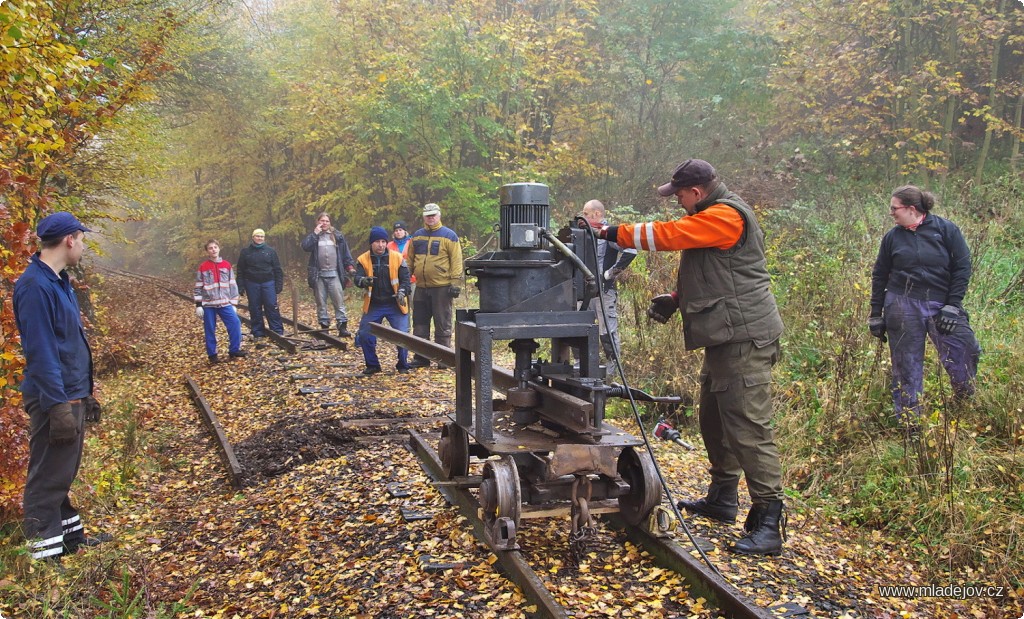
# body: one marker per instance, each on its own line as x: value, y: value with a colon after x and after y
x: 319, y: 376
x: 301, y: 334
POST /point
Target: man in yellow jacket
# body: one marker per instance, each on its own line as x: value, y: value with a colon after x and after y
x: 384, y: 275
x: 436, y: 258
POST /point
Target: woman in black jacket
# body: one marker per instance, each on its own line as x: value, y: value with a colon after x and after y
x: 917, y: 290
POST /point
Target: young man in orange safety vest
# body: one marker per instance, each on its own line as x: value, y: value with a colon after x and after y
x: 384, y: 275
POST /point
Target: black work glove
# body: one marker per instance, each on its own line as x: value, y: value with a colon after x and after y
x: 362, y: 281
x: 662, y: 307
x: 93, y: 410
x: 401, y: 298
x: 876, y: 324
x: 945, y: 322
x: 454, y: 291
x: 63, y: 427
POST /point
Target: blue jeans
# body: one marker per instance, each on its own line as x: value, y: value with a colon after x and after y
x: 231, y: 322
x: 368, y: 342
x: 908, y: 322
x: 330, y: 287
x: 263, y: 298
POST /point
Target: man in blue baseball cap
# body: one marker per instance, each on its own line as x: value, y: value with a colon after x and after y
x: 57, y: 387
x: 59, y: 224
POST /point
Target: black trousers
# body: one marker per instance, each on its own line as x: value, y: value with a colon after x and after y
x: 51, y: 521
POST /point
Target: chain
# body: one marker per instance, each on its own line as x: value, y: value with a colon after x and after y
x: 582, y: 522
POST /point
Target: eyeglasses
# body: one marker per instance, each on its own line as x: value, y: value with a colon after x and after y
x: 893, y: 209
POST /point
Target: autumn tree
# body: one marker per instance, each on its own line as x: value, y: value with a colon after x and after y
x: 70, y: 69
x: 910, y: 86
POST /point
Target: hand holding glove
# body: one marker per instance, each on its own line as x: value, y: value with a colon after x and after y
x: 945, y: 322
x: 662, y: 307
x: 200, y: 312
x: 93, y: 410
x: 362, y: 281
x: 454, y: 291
x: 401, y: 299
x: 876, y: 324
x: 63, y: 427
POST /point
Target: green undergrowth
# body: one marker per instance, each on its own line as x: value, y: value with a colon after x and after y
x: 956, y: 492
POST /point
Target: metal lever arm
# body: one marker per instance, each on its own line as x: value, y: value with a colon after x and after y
x: 618, y: 391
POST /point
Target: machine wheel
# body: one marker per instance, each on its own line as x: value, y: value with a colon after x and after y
x: 501, y: 501
x: 453, y: 449
x: 637, y: 470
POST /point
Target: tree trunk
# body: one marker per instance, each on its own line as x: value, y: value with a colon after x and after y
x: 993, y: 102
x: 1015, y: 154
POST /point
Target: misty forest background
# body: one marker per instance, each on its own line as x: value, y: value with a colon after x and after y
x: 167, y: 122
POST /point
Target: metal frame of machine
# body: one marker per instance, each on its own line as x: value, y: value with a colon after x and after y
x: 547, y: 442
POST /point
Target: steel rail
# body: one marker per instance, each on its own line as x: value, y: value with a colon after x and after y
x: 279, y: 340
x: 511, y: 562
x: 501, y: 378
x: 666, y: 551
x: 212, y: 423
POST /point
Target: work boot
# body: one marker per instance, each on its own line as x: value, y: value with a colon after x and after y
x: 88, y: 541
x: 419, y: 362
x: 768, y: 533
x: 213, y: 358
x: 721, y: 503
x: 753, y: 517
x: 343, y: 330
x: 238, y: 354
x: 371, y: 370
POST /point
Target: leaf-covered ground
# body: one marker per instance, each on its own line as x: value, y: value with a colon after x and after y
x: 321, y: 528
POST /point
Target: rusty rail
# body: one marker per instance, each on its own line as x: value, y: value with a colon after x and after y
x: 511, y: 562
x: 212, y: 424
x: 501, y: 378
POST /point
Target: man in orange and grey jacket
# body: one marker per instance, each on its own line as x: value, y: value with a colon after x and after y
x: 722, y: 292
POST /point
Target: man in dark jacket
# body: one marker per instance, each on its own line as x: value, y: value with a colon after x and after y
x: 259, y: 275
x: 722, y: 292
x: 330, y: 260
x: 57, y: 388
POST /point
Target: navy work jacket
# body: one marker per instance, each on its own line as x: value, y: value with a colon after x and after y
x: 58, y: 362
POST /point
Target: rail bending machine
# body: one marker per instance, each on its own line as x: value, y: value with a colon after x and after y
x: 547, y: 443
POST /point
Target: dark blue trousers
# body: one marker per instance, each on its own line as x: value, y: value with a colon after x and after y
x: 908, y: 322
x: 368, y: 342
x: 231, y: 322
x: 51, y: 521
x: 263, y: 300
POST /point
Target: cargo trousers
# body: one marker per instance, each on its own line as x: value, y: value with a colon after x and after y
x: 908, y: 323
x: 735, y: 417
